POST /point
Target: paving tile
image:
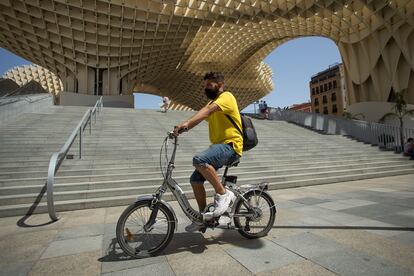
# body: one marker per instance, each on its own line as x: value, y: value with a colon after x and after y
x: 81, y: 231
x: 405, y: 202
x: 352, y: 194
x: 333, y: 205
x: 309, y: 245
x: 16, y: 270
x: 409, y: 213
x: 159, y: 269
x: 313, y: 211
x: 310, y: 200
x: 86, y: 264
x: 375, y: 210
x: 87, y: 216
x: 262, y: 256
x: 285, y: 204
x: 382, y: 190
x: 377, y: 227
x: 353, y: 202
x: 25, y: 247
x: 405, y: 238
x: 282, y: 232
x: 397, y: 219
x: 284, y: 215
x: 339, y: 218
x: 213, y: 260
x: 73, y: 246
x: 299, y: 269
x: 113, y: 263
x: 372, y: 244
x: 351, y: 262
x: 402, y: 194
x: 112, y: 214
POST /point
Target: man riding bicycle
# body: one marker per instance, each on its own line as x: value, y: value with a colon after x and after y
x: 226, y: 148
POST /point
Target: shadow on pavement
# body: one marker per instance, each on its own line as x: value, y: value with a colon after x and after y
x: 345, y: 227
x: 22, y: 222
x: 195, y: 243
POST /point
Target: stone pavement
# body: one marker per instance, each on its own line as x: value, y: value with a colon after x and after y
x: 362, y: 227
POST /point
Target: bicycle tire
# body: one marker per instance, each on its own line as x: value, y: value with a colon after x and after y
x: 123, y: 234
x: 242, y: 229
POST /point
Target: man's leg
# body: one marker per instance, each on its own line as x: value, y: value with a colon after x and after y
x: 200, y: 195
x: 206, y: 163
x: 197, y: 182
x: 209, y: 173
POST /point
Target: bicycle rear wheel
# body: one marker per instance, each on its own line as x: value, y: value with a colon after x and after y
x: 134, y: 239
x: 259, y: 218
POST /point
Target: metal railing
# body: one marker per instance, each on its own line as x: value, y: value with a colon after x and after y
x: 381, y: 135
x: 58, y: 157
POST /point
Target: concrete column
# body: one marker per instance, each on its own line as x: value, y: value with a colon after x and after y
x: 111, y: 82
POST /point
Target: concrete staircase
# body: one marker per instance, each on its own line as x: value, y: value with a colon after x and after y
x: 121, y: 158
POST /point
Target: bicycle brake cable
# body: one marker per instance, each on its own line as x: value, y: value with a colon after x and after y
x: 162, y: 146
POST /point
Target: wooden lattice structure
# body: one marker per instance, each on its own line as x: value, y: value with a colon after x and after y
x: 113, y: 47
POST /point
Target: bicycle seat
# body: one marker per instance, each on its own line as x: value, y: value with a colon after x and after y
x: 234, y: 163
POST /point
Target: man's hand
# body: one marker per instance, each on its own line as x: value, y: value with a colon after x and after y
x: 180, y: 128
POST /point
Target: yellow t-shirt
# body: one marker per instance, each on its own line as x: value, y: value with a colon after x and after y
x: 221, y: 129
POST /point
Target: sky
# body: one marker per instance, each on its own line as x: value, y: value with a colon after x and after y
x: 293, y: 63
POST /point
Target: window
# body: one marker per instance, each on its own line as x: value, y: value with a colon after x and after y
x: 313, y: 91
x: 334, y: 84
x: 325, y: 99
x: 325, y: 110
x: 317, y: 90
x: 330, y: 85
x: 333, y: 97
x: 334, y: 109
x: 321, y: 88
x: 316, y: 102
x: 325, y: 87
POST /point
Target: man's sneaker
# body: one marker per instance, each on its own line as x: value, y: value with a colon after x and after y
x: 222, y: 202
x: 194, y: 226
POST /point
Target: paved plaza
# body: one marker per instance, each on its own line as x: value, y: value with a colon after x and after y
x: 363, y: 227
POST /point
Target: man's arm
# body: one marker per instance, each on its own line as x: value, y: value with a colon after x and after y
x: 201, y: 115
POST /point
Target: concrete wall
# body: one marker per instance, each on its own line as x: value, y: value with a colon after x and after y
x: 373, y: 111
x: 67, y: 98
x: 12, y: 107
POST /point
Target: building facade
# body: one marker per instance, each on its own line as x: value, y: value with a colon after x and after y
x: 328, y: 91
x: 304, y: 107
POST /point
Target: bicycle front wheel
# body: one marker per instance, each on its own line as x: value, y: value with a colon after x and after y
x: 255, y: 220
x: 134, y: 239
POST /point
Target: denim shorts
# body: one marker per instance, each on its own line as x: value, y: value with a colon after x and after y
x: 216, y: 155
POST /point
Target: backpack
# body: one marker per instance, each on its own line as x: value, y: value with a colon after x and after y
x: 248, y: 133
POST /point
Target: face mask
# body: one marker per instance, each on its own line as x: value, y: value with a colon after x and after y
x: 211, y: 93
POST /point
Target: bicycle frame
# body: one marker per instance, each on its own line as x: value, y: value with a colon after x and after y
x: 170, y: 183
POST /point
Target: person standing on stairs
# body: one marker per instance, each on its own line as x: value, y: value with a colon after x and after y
x: 226, y: 144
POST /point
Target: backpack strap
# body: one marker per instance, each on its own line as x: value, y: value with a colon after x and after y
x: 235, y: 125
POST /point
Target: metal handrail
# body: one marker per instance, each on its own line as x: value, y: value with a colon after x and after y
x: 58, y: 157
x: 381, y: 135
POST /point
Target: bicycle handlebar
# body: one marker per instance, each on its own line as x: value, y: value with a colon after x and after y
x: 172, y: 135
